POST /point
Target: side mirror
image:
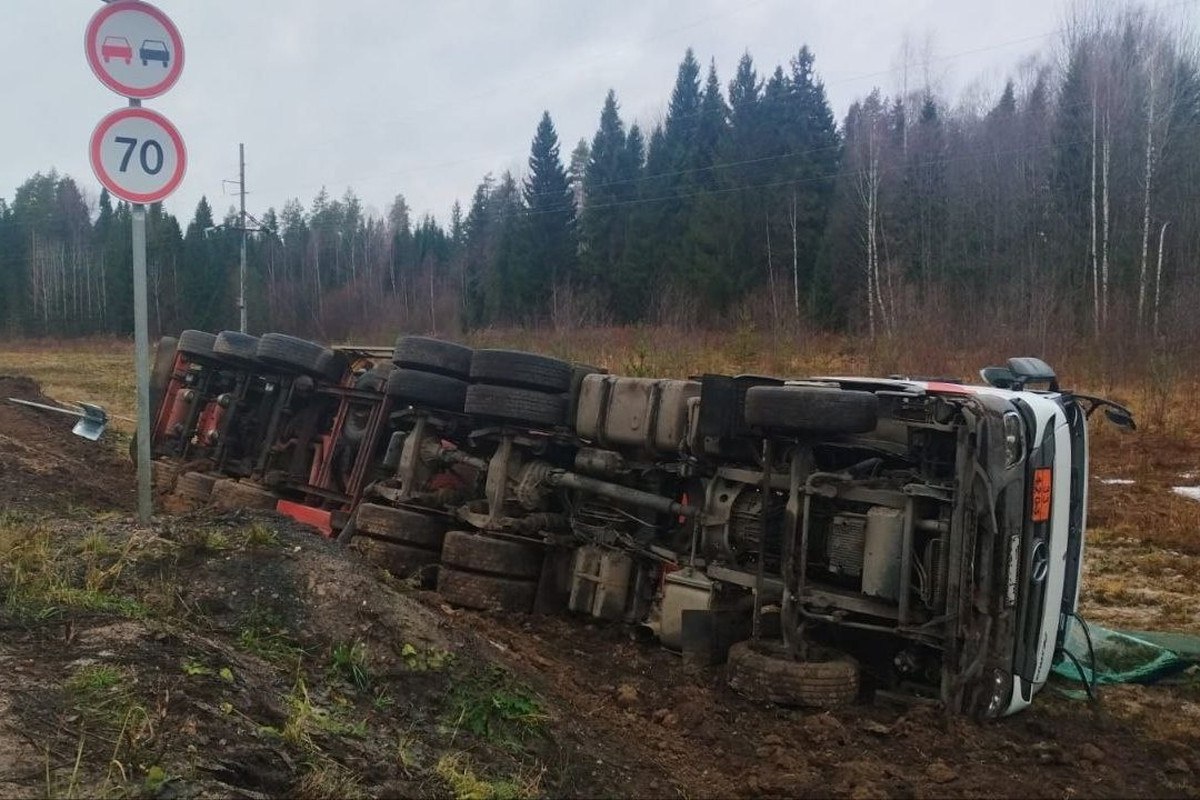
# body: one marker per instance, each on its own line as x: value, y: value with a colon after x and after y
x: 1033, y: 370
x: 1000, y: 377
x: 1120, y: 417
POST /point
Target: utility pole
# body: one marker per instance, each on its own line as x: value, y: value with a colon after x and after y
x: 242, y: 193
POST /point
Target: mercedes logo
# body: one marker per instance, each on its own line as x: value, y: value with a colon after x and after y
x: 1040, y: 562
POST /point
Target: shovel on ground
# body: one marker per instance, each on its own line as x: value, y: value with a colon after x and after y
x: 92, y: 419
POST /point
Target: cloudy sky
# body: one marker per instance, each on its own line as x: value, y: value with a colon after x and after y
x: 424, y: 97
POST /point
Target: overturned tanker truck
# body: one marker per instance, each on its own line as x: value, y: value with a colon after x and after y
x: 825, y: 538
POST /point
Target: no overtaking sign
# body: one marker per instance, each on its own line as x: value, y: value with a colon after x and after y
x: 134, y: 49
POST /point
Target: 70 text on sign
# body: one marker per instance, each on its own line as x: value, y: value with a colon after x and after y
x: 138, y: 154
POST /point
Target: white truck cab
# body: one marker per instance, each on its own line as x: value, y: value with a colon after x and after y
x: 1019, y: 544
x: 930, y: 530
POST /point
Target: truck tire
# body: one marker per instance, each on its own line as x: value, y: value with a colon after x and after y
x: 160, y: 372
x: 486, y: 554
x: 401, y: 526
x: 292, y: 353
x: 332, y: 366
x: 196, y: 343
x: 521, y: 370
x: 230, y: 495
x: 375, y: 379
x: 237, y: 348
x: 485, y: 592
x: 427, y: 389
x: 433, y: 355
x: 398, y: 559
x: 163, y: 474
x: 516, y: 405
x: 195, y: 487
x: 811, y: 409
x: 763, y: 671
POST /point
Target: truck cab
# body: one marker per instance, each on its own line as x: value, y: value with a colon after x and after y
x: 932, y: 531
x: 1014, y: 550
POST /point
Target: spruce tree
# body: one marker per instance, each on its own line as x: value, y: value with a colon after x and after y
x: 711, y: 132
x: 9, y: 299
x: 605, y: 184
x: 478, y: 252
x: 645, y: 240
x: 457, y: 225
x: 666, y: 221
x: 815, y: 144
x: 205, y: 291
x: 683, y: 114
x: 550, y: 242
x: 505, y: 284
x: 709, y: 226
x: 743, y: 152
x: 633, y: 160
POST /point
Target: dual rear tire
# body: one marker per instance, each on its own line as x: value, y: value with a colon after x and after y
x: 406, y: 543
x: 195, y: 487
x: 517, y: 387
x: 430, y: 373
x: 487, y: 573
x: 230, y: 495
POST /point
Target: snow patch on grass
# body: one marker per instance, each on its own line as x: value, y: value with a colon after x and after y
x: 1190, y: 492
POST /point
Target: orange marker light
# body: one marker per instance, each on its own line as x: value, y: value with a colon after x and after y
x: 1043, y: 481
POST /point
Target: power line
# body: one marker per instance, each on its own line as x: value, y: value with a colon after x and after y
x: 965, y: 157
x: 648, y: 178
x: 782, y: 99
x: 833, y: 176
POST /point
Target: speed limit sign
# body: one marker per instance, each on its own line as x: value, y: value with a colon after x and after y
x: 138, y: 154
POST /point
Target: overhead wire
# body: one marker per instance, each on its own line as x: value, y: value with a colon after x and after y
x: 643, y: 178
x: 784, y: 99
x: 831, y: 176
x: 719, y: 165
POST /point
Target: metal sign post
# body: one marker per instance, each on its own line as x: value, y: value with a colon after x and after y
x: 141, y: 347
x: 135, y: 50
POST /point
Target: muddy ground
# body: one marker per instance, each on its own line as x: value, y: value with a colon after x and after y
x: 217, y: 655
x: 43, y: 466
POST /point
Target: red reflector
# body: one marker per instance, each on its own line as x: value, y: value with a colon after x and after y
x: 1043, y: 481
x: 948, y: 388
x: 315, y: 517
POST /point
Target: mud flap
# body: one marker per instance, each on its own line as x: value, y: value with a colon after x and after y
x: 706, y: 636
x: 554, y: 585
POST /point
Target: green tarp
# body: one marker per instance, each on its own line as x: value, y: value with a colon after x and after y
x: 1126, y: 656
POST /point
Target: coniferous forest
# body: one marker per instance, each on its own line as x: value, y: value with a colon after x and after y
x: 1067, y: 203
